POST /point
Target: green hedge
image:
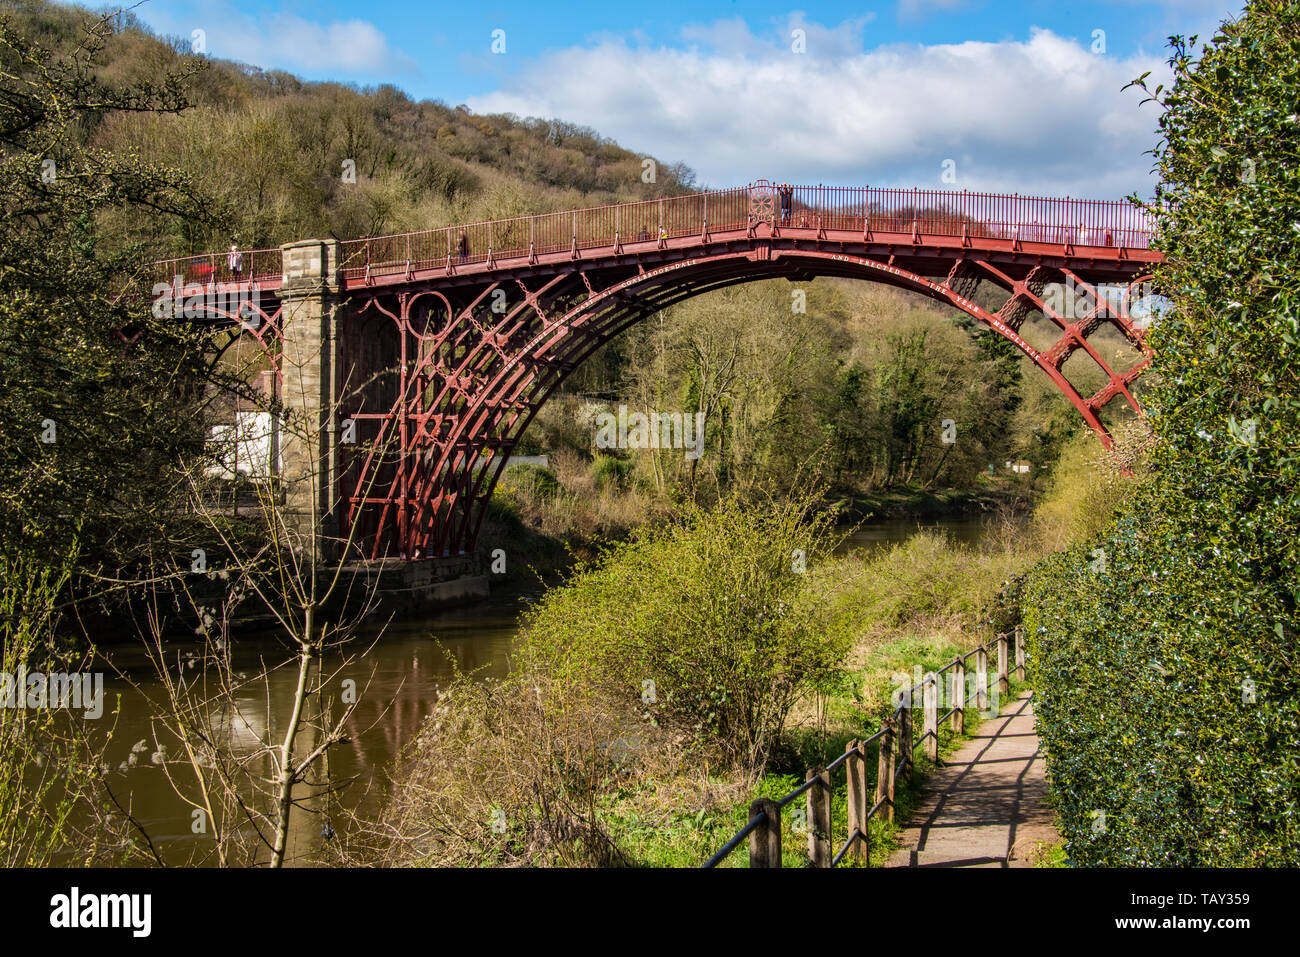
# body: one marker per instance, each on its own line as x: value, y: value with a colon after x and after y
x: 1176, y: 723
x: 1168, y: 680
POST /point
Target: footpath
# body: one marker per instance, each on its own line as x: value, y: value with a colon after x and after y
x: 986, y: 806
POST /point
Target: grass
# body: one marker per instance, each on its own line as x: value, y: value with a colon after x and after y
x: 1051, y: 855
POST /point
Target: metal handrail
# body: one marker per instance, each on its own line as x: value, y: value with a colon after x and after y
x: 256, y: 265
x: 862, y: 209
x: 732, y: 844
x: 812, y: 782
x: 844, y: 848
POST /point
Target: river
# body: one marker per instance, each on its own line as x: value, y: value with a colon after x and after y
x: 405, y: 665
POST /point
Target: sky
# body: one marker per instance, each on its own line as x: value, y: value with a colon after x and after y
x: 999, y: 95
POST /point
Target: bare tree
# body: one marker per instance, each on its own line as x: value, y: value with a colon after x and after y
x: 244, y: 778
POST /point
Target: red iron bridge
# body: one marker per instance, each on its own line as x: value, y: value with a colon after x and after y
x: 425, y: 355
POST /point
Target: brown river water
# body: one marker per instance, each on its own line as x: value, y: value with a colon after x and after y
x: 404, y: 669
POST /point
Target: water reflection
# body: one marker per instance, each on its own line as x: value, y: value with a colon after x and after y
x: 881, y: 533
x: 396, y: 680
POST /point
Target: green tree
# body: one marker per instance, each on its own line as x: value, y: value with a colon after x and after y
x: 100, y: 399
x: 714, y: 622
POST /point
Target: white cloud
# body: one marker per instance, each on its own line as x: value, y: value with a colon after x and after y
x: 348, y: 46
x: 1042, y: 115
x: 344, y: 48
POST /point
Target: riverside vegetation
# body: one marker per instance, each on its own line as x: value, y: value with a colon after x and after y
x: 707, y: 660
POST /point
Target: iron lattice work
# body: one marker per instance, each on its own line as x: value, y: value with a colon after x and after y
x: 448, y: 341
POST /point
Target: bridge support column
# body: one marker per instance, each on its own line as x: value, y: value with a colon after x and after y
x: 308, y: 365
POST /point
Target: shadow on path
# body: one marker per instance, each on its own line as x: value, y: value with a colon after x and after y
x: 986, y: 805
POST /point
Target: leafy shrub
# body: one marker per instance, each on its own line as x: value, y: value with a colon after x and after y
x: 550, y: 765
x: 924, y: 579
x: 1084, y: 493
x: 532, y: 481
x: 611, y: 472
x: 502, y: 774
x: 712, y: 611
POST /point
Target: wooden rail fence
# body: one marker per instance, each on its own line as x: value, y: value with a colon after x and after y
x: 897, y: 747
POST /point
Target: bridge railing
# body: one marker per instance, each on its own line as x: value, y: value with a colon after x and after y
x: 646, y: 223
x: 257, y: 265
x: 896, y: 743
x: 1077, y: 222
x: 639, y: 223
x: 858, y: 209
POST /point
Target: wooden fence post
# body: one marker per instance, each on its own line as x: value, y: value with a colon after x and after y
x: 851, y: 778
x: 855, y: 770
x: 819, y: 818
x: 905, y: 739
x: 959, y: 695
x: 863, y: 852
x: 1004, y: 683
x: 982, y: 678
x: 765, y: 840
x: 930, y: 699
x: 1020, y: 652
x: 885, y: 770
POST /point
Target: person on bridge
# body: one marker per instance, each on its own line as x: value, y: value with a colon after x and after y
x: 643, y: 236
x: 235, y: 261
x: 787, y: 202
x: 663, y: 237
x: 462, y: 246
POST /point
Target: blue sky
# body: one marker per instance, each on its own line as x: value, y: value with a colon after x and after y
x: 1019, y: 95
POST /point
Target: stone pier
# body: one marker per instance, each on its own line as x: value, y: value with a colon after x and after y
x: 308, y: 363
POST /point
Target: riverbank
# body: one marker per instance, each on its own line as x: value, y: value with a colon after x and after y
x: 897, y: 597
x: 640, y: 677
x: 536, y: 533
x: 992, y: 496
x: 541, y: 551
x: 406, y: 666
